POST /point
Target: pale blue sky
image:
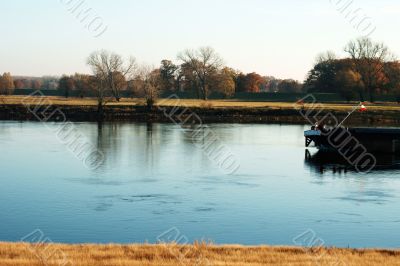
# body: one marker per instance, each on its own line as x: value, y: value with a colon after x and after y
x: 280, y: 38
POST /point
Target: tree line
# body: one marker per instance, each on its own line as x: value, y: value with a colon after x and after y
x: 199, y: 72
x: 9, y: 83
x: 369, y: 70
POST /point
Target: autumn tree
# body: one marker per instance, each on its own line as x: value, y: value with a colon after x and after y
x: 250, y: 82
x: 18, y: 84
x: 224, y: 82
x: 336, y: 76
x: 109, y: 68
x: 271, y: 84
x: 65, y: 85
x: 28, y: 84
x: 36, y: 84
x: 392, y: 73
x: 289, y: 86
x: 369, y: 59
x: 84, y: 84
x: 6, y: 84
x: 204, y: 64
x: 349, y: 84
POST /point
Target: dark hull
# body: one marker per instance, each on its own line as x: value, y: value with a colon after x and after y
x: 321, y: 161
x: 374, y: 140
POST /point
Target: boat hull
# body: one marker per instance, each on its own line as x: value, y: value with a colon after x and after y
x: 374, y: 140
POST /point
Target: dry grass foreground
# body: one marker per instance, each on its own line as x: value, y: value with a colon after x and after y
x: 21, y: 254
x: 61, y: 101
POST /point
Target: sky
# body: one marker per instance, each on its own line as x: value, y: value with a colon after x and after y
x: 275, y: 38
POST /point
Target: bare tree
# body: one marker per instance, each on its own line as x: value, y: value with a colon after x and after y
x: 110, y: 67
x: 327, y: 56
x: 149, y: 84
x: 369, y: 59
x: 102, y: 92
x: 204, y: 63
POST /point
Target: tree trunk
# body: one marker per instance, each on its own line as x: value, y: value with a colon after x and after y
x: 204, y: 90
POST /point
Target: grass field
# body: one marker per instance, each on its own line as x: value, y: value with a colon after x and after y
x: 196, y: 103
x: 20, y: 254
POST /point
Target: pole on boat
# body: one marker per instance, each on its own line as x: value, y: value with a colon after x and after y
x: 352, y: 112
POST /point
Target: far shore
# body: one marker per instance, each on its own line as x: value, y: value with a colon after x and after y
x: 212, y: 111
x: 23, y: 254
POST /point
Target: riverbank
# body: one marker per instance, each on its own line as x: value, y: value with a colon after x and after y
x: 213, y: 111
x: 21, y: 254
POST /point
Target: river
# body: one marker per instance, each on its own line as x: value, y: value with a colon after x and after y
x: 156, y: 182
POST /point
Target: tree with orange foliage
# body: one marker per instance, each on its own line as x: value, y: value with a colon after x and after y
x: 6, y: 84
x: 349, y: 84
x: 18, y: 84
x: 36, y: 84
x: 392, y: 72
x: 249, y: 83
x: 224, y: 82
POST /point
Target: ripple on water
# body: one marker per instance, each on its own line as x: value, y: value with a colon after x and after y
x: 204, y: 209
x: 368, y: 196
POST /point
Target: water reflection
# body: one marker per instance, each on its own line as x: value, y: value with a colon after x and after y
x: 322, y: 161
x: 112, y: 138
x: 150, y: 143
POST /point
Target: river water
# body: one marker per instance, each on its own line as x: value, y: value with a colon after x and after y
x: 156, y: 183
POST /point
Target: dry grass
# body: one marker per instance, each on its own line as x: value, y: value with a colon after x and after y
x: 20, y: 254
x: 199, y: 103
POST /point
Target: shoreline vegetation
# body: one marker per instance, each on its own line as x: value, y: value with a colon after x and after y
x: 23, y: 254
x: 369, y: 72
x: 19, y: 108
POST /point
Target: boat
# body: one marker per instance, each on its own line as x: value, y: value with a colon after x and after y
x: 352, y: 140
